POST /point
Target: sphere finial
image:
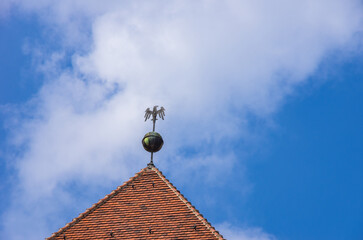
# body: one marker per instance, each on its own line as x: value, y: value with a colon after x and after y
x: 152, y: 141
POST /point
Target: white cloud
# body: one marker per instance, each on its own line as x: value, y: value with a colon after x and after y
x: 209, y: 63
x: 235, y: 233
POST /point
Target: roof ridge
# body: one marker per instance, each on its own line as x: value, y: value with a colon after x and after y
x: 189, y: 204
x: 98, y: 204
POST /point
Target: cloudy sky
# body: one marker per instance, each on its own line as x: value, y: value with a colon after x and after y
x: 264, y: 119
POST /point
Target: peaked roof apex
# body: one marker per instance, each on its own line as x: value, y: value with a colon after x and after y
x: 167, y: 193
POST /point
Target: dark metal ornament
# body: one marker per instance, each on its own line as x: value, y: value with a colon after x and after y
x: 152, y: 141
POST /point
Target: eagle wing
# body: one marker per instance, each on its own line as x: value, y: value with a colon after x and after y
x: 148, y: 113
x: 161, y: 112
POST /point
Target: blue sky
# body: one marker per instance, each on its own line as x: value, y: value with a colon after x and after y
x: 264, y: 124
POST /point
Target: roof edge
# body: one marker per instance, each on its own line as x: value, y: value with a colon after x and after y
x: 189, y: 204
x: 97, y: 205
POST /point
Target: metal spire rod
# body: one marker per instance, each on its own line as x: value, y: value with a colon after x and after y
x: 151, y: 163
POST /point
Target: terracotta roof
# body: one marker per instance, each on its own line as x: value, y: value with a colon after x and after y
x: 147, y: 206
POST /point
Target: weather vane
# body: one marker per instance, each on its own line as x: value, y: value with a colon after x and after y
x: 152, y: 141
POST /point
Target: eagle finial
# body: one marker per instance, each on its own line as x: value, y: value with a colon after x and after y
x: 154, y: 113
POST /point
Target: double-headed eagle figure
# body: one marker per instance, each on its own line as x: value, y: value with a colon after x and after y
x: 154, y: 113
